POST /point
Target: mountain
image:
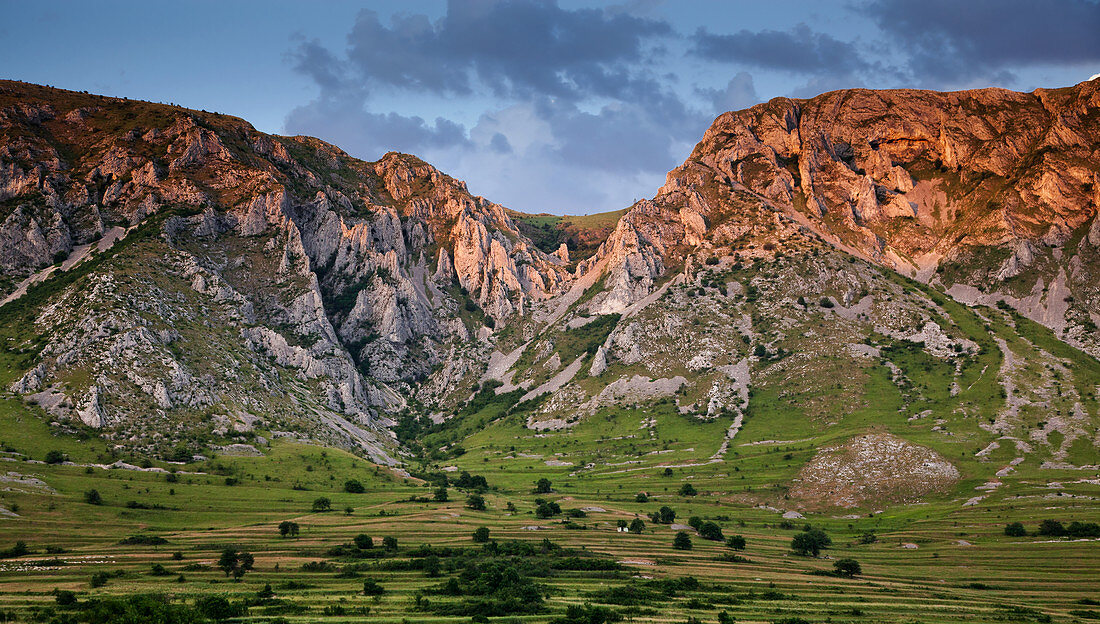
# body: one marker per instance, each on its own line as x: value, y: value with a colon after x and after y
x: 178, y: 281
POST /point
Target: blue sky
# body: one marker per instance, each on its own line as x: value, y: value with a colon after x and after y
x: 568, y: 107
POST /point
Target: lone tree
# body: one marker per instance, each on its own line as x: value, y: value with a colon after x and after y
x: 810, y: 543
x: 322, y: 504
x: 642, y: 497
x: 1015, y: 529
x: 664, y: 515
x: 847, y: 568
x: 711, y: 531
x: 288, y: 528
x: 92, y: 497
x: 542, y: 486
x: 682, y: 541
x: 736, y: 542
x: 687, y: 489
x: 363, y: 541
x: 389, y: 542
x: 353, y: 486
x: 235, y: 562
x: 481, y: 535
x: 636, y: 525
x: 55, y: 457
x: 476, y: 502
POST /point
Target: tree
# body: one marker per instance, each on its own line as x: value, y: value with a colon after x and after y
x: 668, y: 472
x: 636, y: 525
x: 666, y: 515
x: 736, y: 542
x: 55, y: 457
x: 695, y: 522
x: 543, y: 486
x: 353, y: 486
x: 1052, y: 528
x: 288, y: 528
x: 322, y: 504
x: 235, y: 562
x: 363, y: 541
x: 687, y: 489
x: 847, y: 568
x: 682, y: 541
x: 481, y: 535
x: 372, y: 588
x: 711, y: 531
x: 440, y: 494
x: 810, y: 542
x: 476, y: 502
x: 642, y: 497
x: 389, y: 542
x: 1015, y: 529
x: 92, y: 497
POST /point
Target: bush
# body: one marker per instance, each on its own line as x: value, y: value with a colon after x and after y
x: 92, y: 497
x: 826, y: 302
x: 143, y: 540
x: 389, y: 542
x: 55, y: 457
x: 322, y: 504
x: 18, y: 550
x: 695, y: 522
x: 810, y: 542
x: 642, y: 497
x: 481, y: 535
x: 372, y: 588
x: 588, y: 614
x: 218, y: 608
x: 440, y: 494
x: 736, y: 542
x: 636, y: 525
x: 687, y: 490
x: 664, y: 515
x: 1083, y: 529
x: 363, y: 541
x: 682, y: 541
x: 65, y: 598
x: 543, y: 486
x: 847, y: 568
x: 159, y: 570
x: 476, y: 502
x: 1015, y: 529
x: 352, y: 486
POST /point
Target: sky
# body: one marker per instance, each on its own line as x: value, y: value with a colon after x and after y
x: 566, y: 106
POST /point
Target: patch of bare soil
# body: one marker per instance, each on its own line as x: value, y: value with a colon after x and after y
x: 872, y: 468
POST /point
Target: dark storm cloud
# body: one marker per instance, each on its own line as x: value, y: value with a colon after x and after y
x: 799, y: 49
x: 515, y: 47
x: 951, y: 41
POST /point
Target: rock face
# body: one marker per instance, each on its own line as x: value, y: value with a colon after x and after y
x: 989, y: 189
x: 276, y: 283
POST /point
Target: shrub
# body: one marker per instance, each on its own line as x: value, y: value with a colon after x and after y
x: 736, y: 542
x: 55, y: 457
x: 687, y: 489
x: 847, y: 568
x: 636, y: 525
x: 1083, y: 529
x: 476, y: 502
x: 682, y: 541
x: 389, y: 542
x: 543, y: 486
x: 363, y: 541
x: 352, y: 486
x: 372, y: 588
x: 322, y: 504
x: 18, y: 550
x: 481, y: 535
x: 440, y: 494
x: 695, y: 522
x: 65, y: 598
x: 92, y: 497
x: 1015, y: 529
x: 826, y: 302
x: 642, y: 497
